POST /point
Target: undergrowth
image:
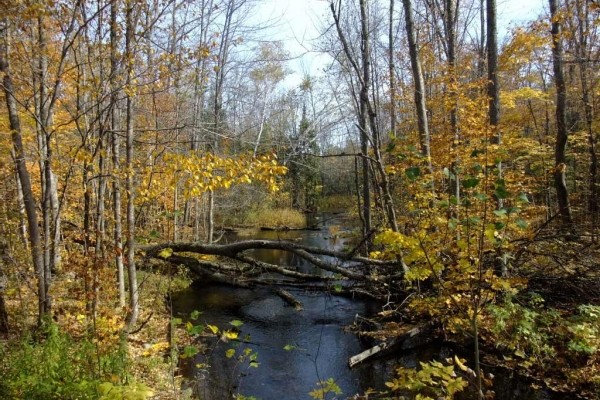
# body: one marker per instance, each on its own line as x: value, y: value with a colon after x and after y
x: 54, y: 365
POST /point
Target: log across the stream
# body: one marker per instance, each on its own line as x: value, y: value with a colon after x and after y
x: 235, y: 266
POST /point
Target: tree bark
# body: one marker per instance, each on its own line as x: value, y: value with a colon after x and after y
x: 582, y: 52
x: 418, y: 82
x: 21, y: 167
x: 562, y: 193
x: 129, y: 183
x: 392, y: 71
x: 493, y: 91
x: 116, y: 156
x: 362, y: 118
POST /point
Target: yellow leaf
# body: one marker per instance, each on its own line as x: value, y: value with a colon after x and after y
x: 214, y: 329
x: 462, y: 366
x: 230, y: 335
x: 166, y: 253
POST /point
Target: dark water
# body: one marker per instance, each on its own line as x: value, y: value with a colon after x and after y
x: 296, y: 349
x: 318, y: 347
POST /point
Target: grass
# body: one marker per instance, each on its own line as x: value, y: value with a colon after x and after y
x: 276, y: 218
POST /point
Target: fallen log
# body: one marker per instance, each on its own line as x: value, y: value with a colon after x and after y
x: 290, y: 299
x: 383, y: 347
x: 234, y: 264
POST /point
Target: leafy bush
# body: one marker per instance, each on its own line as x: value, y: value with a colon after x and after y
x: 433, y: 380
x: 58, y: 367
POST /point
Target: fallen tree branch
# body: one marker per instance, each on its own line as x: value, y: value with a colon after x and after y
x: 236, y: 267
x: 288, y: 298
x: 379, y: 349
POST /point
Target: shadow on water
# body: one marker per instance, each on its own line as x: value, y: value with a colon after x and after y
x: 297, y: 349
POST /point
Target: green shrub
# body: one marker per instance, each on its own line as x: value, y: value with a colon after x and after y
x: 59, y: 367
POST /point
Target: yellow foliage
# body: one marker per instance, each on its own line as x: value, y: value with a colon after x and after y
x: 199, y: 173
x: 509, y: 99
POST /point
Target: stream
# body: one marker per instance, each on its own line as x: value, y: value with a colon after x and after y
x: 296, y: 349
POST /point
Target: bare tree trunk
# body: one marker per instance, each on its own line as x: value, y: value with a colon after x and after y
x: 21, y: 206
x: 562, y: 194
x: 3, y: 313
x: 482, y: 40
x: 116, y: 156
x: 392, y: 71
x: 129, y: 183
x: 582, y: 53
x: 493, y: 91
x: 362, y: 118
x: 450, y: 19
x: 419, y: 83
x: 21, y: 166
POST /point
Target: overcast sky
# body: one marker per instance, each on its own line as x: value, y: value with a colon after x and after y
x: 297, y: 23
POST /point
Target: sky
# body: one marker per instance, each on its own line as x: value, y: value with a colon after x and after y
x: 297, y: 23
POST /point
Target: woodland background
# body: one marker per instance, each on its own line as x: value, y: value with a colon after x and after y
x: 470, y: 163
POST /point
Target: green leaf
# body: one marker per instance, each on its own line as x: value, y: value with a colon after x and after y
x: 500, y: 213
x: 443, y: 204
x: 523, y: 197
x: 189, y: 351
x: 470, y: 183
x: 521, y: 223
x: 230, y: 353
x: 194, y: 315
x: 513, y: 210
x: 413, y: 173
x: 448, y: 174
x: 501, y: 192
x: 474, y: 220
x: 480, y: 196
x: 289, y: 347
x: 236, y: 323
x: 196, y: 330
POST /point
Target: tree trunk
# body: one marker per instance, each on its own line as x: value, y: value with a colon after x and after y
x: 562, y: 193
x: 116, y: 157
x: 362, y: 118
x: 419, y: 83
x: 583, y: 52
x: 493, y: 91
x: 129, y: 183
x: 392, y: 71
x: 3, y: 312
x: 21, y: 206
x: 21, y: 166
